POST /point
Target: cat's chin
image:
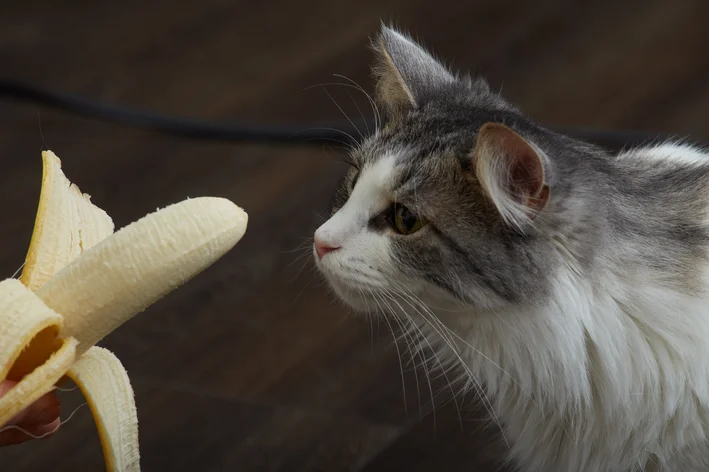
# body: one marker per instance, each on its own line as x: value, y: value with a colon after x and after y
x: 348, y: 291
x: 350, y: 296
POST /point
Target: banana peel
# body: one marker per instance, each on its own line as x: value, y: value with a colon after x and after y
x: 81, y: 280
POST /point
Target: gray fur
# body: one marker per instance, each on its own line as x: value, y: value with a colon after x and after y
x: 638, y: 215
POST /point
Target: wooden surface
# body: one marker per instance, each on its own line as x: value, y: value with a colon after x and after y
x: 252, y: 366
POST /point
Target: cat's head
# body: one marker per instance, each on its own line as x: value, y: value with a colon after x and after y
x: 443, y: 200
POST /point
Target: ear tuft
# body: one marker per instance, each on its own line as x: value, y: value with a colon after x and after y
x: 511, y: 172
x: 404, y: 71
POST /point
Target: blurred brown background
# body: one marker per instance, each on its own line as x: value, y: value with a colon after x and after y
x: 251, y: 366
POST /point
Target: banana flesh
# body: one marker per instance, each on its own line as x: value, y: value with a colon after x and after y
x: 81, y: 281
x: 124, y: 274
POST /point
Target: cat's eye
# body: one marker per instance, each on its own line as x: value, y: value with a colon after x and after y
x: 406, y: 221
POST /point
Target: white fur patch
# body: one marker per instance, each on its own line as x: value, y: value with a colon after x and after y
x: 363, y: 261
x: 668, y: 152
x: 370, y: 196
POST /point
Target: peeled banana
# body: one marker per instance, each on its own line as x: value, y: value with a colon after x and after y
x: 81, y: 281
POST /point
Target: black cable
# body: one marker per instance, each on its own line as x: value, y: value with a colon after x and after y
x: 175, y: 126
x: 284, y: 134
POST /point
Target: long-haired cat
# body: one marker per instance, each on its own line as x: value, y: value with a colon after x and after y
x: 572, y: 283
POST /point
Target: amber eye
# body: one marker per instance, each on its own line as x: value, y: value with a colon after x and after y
x: 406, y: 221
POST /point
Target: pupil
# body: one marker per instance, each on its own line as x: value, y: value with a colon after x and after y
x: 409, y: 218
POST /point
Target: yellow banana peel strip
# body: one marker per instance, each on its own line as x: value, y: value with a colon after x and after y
x: 106, y: 386
x: 81, y: 281
x: 67, y: 223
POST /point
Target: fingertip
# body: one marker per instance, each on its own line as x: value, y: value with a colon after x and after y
x: 43, y: 411
x: 5, y: 386
x: 48, y: 430
x: 11, y: 437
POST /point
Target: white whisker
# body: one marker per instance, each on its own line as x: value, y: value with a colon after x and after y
x: 424, y: 365
x: 413, y: 352
x: 440, y: 329
x: 372, y: 102
x: 352, y: 139
x: 401, y: 366
x: 361, y: 113
x: 343, y: 112
x: 435, y: 354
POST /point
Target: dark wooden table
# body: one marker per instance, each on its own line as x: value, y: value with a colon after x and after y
x: 252, y: 366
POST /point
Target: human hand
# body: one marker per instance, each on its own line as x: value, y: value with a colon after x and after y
x: 39, y: 419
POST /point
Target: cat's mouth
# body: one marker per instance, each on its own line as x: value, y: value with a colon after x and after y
x: 353, y: 289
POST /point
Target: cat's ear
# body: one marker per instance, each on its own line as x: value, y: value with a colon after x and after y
x: 511, y: 172
x: 404, y: 71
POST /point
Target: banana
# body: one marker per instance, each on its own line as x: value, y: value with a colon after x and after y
x: 81, y: 281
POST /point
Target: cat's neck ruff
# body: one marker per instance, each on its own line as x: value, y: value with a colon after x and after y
x: 598, y: 363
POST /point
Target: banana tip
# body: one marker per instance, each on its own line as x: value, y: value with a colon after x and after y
x: 229, y: 213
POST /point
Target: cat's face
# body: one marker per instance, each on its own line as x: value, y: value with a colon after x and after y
x: 434, y: 207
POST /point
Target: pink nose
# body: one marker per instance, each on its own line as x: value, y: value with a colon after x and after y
x: 322, y: 247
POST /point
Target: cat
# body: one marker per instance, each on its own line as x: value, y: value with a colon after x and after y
x: 572, y: 283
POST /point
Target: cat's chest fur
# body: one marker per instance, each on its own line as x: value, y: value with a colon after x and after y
x: 602, y: 393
